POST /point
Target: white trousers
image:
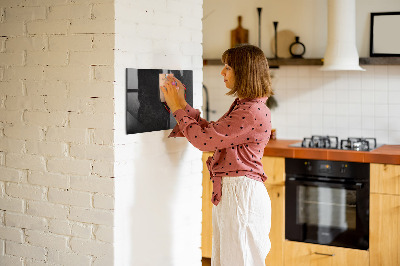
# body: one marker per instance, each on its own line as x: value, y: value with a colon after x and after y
x: 241, y: 223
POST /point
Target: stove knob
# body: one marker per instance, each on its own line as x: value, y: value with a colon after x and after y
x: 343, y: 168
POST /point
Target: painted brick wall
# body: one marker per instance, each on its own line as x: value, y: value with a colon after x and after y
x: 158, y: 180
x: 56, y: 132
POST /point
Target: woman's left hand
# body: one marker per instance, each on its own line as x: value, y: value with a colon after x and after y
x: 170, y: 90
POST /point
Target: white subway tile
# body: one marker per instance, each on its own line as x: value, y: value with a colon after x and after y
x: 367, y: 96
x: 394, y: 97
x: 382, y: 110
x: 382, y: 136
x: 394, y: 110
x: 394, y: 137
x: 394, y: 123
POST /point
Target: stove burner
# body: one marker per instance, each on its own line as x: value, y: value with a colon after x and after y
x: 358, y: 144
x: 328, y: 142
x: 332, y: 142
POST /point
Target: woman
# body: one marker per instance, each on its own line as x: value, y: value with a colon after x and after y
x: 242, y: 208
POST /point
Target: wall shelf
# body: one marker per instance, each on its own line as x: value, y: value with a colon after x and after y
x: 274, y: 63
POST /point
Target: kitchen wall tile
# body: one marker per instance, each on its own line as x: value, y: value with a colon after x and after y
x: 355, y: 96
x: 367, y: 110
x: 367, y: 96
x: 355, y: 122
x: 355, y: 109
x: 368, y: 123
x: 355, y: 132
x: 394, y: 123
x: 354, y: 83
x: 342, y: 96
x: 367, y: 133
x: 394, y: 97
x: 315, y: 72
x: 380, y: 84
x: 316, y: 82
x: 367, y: 82
x: 381, y: 122
x: 329, y: 122
x: 342, y: 133
x: 317, y: 107
x: 394, y: 83
x: 291, y: 71
x: 394, y: 110
x: 342, y: 109
x: 394, y: 137
x: 393, y: 71
x: 381, y: 97
x: 328, y: 99
x: 381, y: 110
x: 342, y: 122
x: 381, y: 136
x: 304, y: 82
x: 304, y: 72
x: 380, y: 71
x: 292, y: 82
x: 329, y: 109
x: 328, y: 74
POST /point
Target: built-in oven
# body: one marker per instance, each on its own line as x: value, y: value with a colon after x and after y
x: 327, y: 202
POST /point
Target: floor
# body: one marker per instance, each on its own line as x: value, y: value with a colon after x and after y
x: 206, y: 261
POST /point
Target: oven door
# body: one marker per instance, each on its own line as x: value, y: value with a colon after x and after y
x: 327, y: 213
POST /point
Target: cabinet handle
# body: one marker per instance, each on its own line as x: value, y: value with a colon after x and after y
x: 325, y: 254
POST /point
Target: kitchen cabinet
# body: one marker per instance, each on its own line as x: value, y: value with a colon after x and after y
x: 206, y: 225
x: 385, y: 214
x: 274, y: 168
x: 305, y: 254
x: 385, y: 178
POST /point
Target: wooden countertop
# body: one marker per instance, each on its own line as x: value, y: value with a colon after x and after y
x: 389, y: 154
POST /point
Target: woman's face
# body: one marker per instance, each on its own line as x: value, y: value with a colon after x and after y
x: 229, y: 76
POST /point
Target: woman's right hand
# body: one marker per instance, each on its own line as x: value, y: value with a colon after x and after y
x: 181, y: 91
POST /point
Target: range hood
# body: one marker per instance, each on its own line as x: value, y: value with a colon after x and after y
x: 341, y: 51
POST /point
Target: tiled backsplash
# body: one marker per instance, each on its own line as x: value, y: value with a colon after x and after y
x: 342, y: 103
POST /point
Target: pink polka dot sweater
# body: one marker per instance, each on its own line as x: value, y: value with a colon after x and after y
x: 238, y: 139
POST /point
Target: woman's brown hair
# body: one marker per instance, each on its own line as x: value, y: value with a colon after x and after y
x: 250, y: 66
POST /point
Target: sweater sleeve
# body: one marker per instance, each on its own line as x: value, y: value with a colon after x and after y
x: 193, y: 113
x: 229, y: 131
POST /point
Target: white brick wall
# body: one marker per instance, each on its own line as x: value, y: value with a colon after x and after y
x: 156, y: 177
x: 56, y: 132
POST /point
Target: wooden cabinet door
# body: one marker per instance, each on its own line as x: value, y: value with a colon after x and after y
x: 305, y: 254
x: 384, y: 236
x: 385, y: 178
x: 206, y: 226
x: 274, y: 168
x: 277, y: 233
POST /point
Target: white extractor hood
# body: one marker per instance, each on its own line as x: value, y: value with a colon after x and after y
x: 341, y: 51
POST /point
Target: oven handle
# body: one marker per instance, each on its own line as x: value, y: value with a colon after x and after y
x: 357, y: 185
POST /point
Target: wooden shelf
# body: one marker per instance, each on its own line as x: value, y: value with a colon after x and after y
x: 274, y: 63
x: 380, y: 61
